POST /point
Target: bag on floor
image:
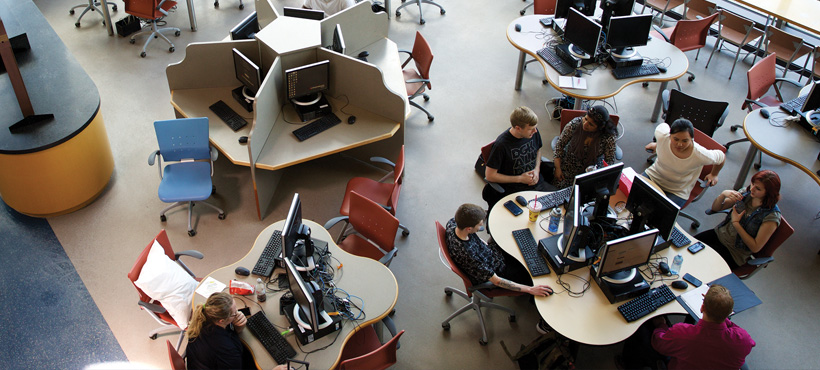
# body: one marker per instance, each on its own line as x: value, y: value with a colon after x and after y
x: 128, y: 25
x: 548, y: 351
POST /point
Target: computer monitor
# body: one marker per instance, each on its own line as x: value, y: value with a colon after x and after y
x: 248, y: 73
x: 582, y: 33
x: 598, y: 186
x: 576, y: 234
x: 626, y: 32
x: 620, y: 257
x: 615, y: 8
x: 587, y: 7
x: 308, y: 312
x: 306, y: 83
x: 247, y: 29
x: 317, y: 15
x: 813, y: 100
x: 338, y: 40
x: 296, y: 242
x: 650, y: 208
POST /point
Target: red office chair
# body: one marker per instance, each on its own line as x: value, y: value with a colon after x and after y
x: 568, y: 115
x: 478, y: 295
x: 687, y: 35
x: 151, y: 11
x: 701, y: 185
x: 152, y: 307
x: 364, y: 351
x: 375, y: 230
x: 663, y: 6
x: 417, y: 80
x: 540, y: 7
x: 177, y: 362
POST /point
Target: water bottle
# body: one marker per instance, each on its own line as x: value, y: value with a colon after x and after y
x: 677, y: 262
x: 260, y: 290
x: 555, y: 219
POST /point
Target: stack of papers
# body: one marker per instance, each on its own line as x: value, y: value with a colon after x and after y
x: 210, y: 286
x: 571, y: 82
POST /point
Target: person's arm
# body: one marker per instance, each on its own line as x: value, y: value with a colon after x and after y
x: 536, y: 172
x: 609, y: 149
x: 239, y: 322
x: 537, y: 290
x: 763, y: 234
x: 492, y: 175
x: 665, y: 339
x: 712, y: 177
x: 563, y: 140
x: 726, y: 199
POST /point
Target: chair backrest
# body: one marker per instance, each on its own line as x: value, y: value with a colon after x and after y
x: 184, y: 138
x: 705, y: 115
x: 734, y: 27
x: 544, y: 6
x: 485, y: 151
x: 177, y: 362
x: 707, y: 142
x: 134, y: 274
x: 379, y: 359
x: 816, y: 58
x: 442, y: 245
x: 570, y: 114
x: 783, y: 232
x: 372, y: 221
x: 696, y: 9
x: 788, y: 47
x: 423, y: 57
x: 760, y: 79
x: 398, y: 179
x: 691, y: 34
x: 147, y: 9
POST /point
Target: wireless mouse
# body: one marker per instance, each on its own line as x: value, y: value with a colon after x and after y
x: 764, y: 113
x: 679, y: 284
x: 364, y: 54
x: 351, y: 120
x: 664, y: 267
x: 242, y: 271
x: 521, y: 201
x: 243, y: 139
x: 517, y: 27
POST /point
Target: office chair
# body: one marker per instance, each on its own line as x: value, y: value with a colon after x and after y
x: 735, y: 30
x: 763, y: 257
x: 816, y: 69
x: 241, y: 6
x: 687, y: 35
x: 568, y: 115
x: 418, y: 2
x: 485, y: 156
x: 373, y: 232
x: 154, y: 308
x: 697, y: 9
x: 787, y: 47
x: 663, y: 6
x: 185, y: 141
x: 416, y: 80
x: 540, y: 7
x: 478, y: 295
x: 151, y: 11
x: 177, y: 362
x: 364, y: 350
x: 760, y: 79
x: 92, y: 5
x: 701, y: 185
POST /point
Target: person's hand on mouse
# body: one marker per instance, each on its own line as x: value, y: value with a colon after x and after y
x: 540, y: 290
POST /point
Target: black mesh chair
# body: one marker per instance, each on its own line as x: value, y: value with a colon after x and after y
x: 705, y: 115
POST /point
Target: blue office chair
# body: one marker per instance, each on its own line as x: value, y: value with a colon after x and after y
x: 185, y: 141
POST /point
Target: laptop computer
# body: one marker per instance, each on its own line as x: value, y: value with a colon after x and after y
x: 803, y: 103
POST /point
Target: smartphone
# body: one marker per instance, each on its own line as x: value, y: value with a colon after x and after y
x: 692, y: 280
x: 290, y: 360
x: 513, y: 208
x: 246, y: 311
x: 546, y: 22
x: 695, y: 248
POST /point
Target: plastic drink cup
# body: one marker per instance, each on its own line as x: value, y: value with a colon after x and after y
x: 534, y: 207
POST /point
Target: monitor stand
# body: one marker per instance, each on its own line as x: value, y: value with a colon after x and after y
x: 550, y: 250
x: 622, y: 277
x: 311, y: 108
x: 296, y: 319
x: 240, y: 94
x: 578, y: 53
x: 617, y: 292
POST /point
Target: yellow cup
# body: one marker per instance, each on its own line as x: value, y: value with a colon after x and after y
x: 535, y: 209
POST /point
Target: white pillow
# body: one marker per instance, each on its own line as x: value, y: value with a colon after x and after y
x: 166, y: 281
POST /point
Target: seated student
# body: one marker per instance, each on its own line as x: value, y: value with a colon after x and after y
x: 582, y: 142
x: 330, y: 7
x: 680, y: 160
x: 753, y: 219
x: 515, y: 159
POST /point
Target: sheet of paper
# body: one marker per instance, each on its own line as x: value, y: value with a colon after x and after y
x: 694, y: 299
x: 572, y: 82
x: 210, y: 286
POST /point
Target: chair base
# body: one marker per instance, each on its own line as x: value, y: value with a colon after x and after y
x: 475, y: 303
x: 92, y: 5
x: 524, y: 10
x: 421, y: 15
x: 191, y: 231
x: 165, y: 328
x: 430, y: 117
x: 241, y: 6
x: 153, y: 33
x: 759, y: 153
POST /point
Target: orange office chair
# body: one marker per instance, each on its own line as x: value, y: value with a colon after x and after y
x: 417, y: 80
x: 375, y: 230
x: 763, y: 257
x: 152, y: 11
x: 419, y: 2
x: 152, y: 307
x: 92, y: 5
x: 737, y: 31
x: 697, y: 9
x: 177, y: 362
x: 478, y: 295
x: 540, y: 7
x: 568, y: 115
x: 701, y: 185
x: 663, y: 6
x: 687, y: 35
x: 364, y: 351
x: 787, y: 47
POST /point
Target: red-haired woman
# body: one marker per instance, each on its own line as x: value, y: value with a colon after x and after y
x: 750, y: 224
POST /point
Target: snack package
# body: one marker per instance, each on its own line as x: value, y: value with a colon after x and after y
x: 240, y: 288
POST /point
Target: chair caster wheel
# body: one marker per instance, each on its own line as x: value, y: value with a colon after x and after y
x: 650, y: 161
x: 398, y: 14
x: 177, y: 33
x: 544, y: 82
x: 153, y: 336
x: 695, y: 224
x: 241, y: 6
x: 143, y: 54
x: 522, y: 12
x: 482, y: 342
x: 114, y: 8
x: 132, y: 41
x: 691, y: 78
x: 71, y: 12
x: 422, y: 21
x: 430, y: 118
x: 512, y: 318
x: 213, y: 189
x: 645, y: 84
x: 221, y: 216
x: 392, y: 312
x: 216, y: 4
x: 171, y: 49
x: 442, y: 12
x: 448, y: 293
x: 163, y: 218
x: 77, y: 24
x: 103, y: 22
x: 426, y: 98
x: 405, y: 233
x: 757, y: 167
x: 191, y: 232
x: 445, y: 326
x: 733, y: 128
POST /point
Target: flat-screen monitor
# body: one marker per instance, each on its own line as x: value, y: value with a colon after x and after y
x: 615, y: 8
x: 576, y: 234
x: 598, y: 186
x: 338, y: 40
x: 626, y: 32
x: 813, y: 101
x: 650, y: 208
x: 620, y: 257
x: 247, y: 29
x: 582, y: 33
x: 247, y: 73
x: 317, y: 15
x: 296, y: 243
x: 306, y: 313
x: 586, y: 7
x: 306, y: 83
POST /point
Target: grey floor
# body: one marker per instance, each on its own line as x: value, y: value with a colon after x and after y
x: 473, y: 74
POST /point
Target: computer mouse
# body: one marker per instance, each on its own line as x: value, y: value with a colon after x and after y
x: 243, y: 139
x: 764, y: 113
x: 661, y: 68
x: 242, y: 271
x: 521, y: 201
x: 577, y: 73
x: 664, y: 267
x: 517, y: 27
x: 364, y: 54
x: 351, y: 120
x: 679, y: 284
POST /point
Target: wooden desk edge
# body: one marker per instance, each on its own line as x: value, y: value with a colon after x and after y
x: 790, y: 161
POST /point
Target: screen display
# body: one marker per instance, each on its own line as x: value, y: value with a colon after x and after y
x: 627, y: 252
x: 247, y: 72
x: 582, y: 32
x: 628, y: 31
x: 813, y: 101
x: 290, y: 230
x: 308, y: 79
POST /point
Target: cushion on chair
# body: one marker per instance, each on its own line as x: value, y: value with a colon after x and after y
x: 355, y: 244
x: 186, y: 181
x: 378, y: 192
x: 166, y: 281
x: 769, y: 100
x: 412, y: 87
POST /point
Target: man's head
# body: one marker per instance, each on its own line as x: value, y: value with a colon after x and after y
x: 469, y: 216
x: 523, y: 121
x: 717, y: 304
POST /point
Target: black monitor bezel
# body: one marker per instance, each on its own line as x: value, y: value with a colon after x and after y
x: 290, y: 229
x: 609, y: 247
x: 589, y: 181
x: 813, y: 99
x: 308, y: 67
x: 241, y: 64
x: 634, y: 33
x: 312, y: 14
x: 302, y: 295
x: 562, y: 7
x: 579, y: 30
x: 659, y: 217
x: 338, y: 44
x: 242, y: 30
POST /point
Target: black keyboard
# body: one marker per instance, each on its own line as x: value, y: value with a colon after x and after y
x: 646, y: 304
x: 678, y: 239
x: 314, y: 128
x: 228, y: 115
x: 795, y: 105
x: 555, y: 198
x: 556, y: 62
x: 270, y: 338
x: 635, y: 71
x: 267, y: 261
x: 529, y: 249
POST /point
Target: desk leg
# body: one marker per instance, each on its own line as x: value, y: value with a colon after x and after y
x: 387, y: 8
x: 656, y: 112
x: 579, y: 104
x: 520, y: 74
x: 192, y: 14
x: 107, y: 18
x: 264, y: 187
x: 744, y: 169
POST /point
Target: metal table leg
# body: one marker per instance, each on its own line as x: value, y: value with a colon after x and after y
x: 520, y: 74
x: 192, y: 14
x: 747, y: 165
x: 107, y: 18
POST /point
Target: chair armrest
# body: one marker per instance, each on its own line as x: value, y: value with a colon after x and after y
x: 409, y: 57
x: 760, y: 261
x: 665, y: 101
x: 190, y: 253
x: 214, y: 154
x: 705, y: 185
x: 793, y: 82
x: 709, y: 211
x: 751, y: 102
x: 413, y: 80
x: 495, y: 186
x: 153, y: 157
x: 159, y: 7
x: 333, y: 221
x: 722, y: 117
x: 382, y: 160
x: 660, y: 32
x: 155, y: 308
x: 484, y: 285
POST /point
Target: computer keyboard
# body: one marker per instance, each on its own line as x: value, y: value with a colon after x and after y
x: 267, y: 261
x: 314, y: 128
x: 555, y: 198
x: 795, y: 105
x: 529, y: 249
x: 270, y: 338
x: 635, y: 71
x: 678, y: 239
x: 556, y: 62
x: 228, y: 115
x: 646, y: 303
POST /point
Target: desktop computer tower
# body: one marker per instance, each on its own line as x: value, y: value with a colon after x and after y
x: 625, y: 291
x: 635, y: 60
x: 310, y: 112
x: 548, y: 247
x: 306, y: 336
x: 563, y: 52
